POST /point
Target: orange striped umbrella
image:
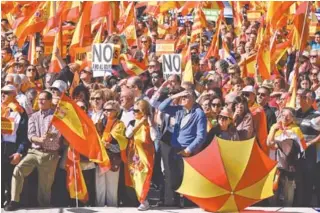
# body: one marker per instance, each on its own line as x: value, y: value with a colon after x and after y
x: 229, y: 176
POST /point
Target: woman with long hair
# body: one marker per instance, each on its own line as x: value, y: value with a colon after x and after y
x: 140, y: 153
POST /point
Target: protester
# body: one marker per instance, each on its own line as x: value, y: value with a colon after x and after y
x: 43, y: 155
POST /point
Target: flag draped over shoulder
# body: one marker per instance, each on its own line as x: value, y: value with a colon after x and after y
x: 139, y: 166
x: 117, y: 131
x: 79, y: 130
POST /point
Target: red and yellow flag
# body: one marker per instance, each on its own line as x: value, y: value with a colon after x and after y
x: 72, y: 13
x: 301, y: 27
x: 116, y: 130
x: 126, y: 18
x: 139, y: 167
x: 132, y: 66
x: 213, y: 50
x: 34, y: 24
x: 80, y: 131
x: 199, y: 23
x: 78, y: 36
x: 263, y: 60
x: 57, y: 46
x: 75, y: 181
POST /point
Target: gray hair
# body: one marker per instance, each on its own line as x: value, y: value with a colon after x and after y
x: 16, y: 78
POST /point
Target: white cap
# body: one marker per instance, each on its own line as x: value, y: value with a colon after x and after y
x: 248, y: 88
x: 60, y: 85
x: 9, y: 88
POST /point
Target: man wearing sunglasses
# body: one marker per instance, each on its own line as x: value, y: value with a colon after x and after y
x: 263, y: 98
x: 259, y: 118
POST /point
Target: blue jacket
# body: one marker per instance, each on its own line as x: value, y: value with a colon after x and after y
x: 192, y: 136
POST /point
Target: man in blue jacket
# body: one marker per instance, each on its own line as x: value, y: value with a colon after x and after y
x: 189, y: 131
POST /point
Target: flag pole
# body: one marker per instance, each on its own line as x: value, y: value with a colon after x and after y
x: 304, y: 24
x: 75, y: 178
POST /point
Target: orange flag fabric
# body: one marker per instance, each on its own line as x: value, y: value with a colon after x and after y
x: 76, y: 184
x: 213, y: 50
x: 199, y: 23
x: 72, y: 13
x: 34, y: 24
x: 301, y: 27
x: 263, y: 60
x: 139, y: 167
x: 80, y: 131
x: 100, y: 9
x: 127, y: 18
x: 260, y: 126
x: 57, y: 45
x: 132, y: 66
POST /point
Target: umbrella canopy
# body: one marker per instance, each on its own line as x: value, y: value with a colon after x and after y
x: 228, y: 176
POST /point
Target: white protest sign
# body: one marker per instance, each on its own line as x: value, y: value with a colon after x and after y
x: 102, y: 56
x: 171, y: 64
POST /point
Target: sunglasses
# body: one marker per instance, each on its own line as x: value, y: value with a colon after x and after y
x: 313, y: 74
x: 223, y: 118
x: 216, y: 105
x: 136, y: 111
x: 95, y: 98
x: 246, y: 94
x: 261, y: 94
x: 152, y: 66
x: 313, y: 56
x: 29, y: 70
x: 19, y: 65
x: 154, y: 76
x: 5, y: 92
x: 143, y: 42
x: 108, y: 110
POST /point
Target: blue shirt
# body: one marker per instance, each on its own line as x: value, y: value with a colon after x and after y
x: 192, y: 135
x: 314, y: 45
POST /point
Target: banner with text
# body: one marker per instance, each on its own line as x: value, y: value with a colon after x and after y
x: 171, y: 64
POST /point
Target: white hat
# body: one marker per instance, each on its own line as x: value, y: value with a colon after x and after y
x: 248, y: 88
x: 9, y: 88
x: 60, y: 85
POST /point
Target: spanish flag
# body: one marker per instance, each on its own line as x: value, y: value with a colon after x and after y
x: 301, y: 27
x: 79, y: 130
x: 72, y: 13
x: 75, y: 181
x: 126, y: 18
x: 34, y: 24
x: 188, y: 6
x: 213, y: 50
x: 116, y: 130
x: 132, y: 66
x: 199, y: 23
x: 263, y: 59
x: 139, y: 167
x: 57, y: 46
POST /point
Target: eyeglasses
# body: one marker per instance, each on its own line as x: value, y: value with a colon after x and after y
x: 108, y: 110
x: 29, y: 70
x: 152, y: 66
x: 313, y: 74
x: 136, y: 111
x: 144, y: 42
x: 86, y: 71
x: 216, y: 105
x: 246, y: 94
x: 223, y: 118
x: 261, y: 94
x: 313, y: 56
x: 95, y: 98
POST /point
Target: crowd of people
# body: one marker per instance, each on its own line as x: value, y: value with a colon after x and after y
x: 167, y: 119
